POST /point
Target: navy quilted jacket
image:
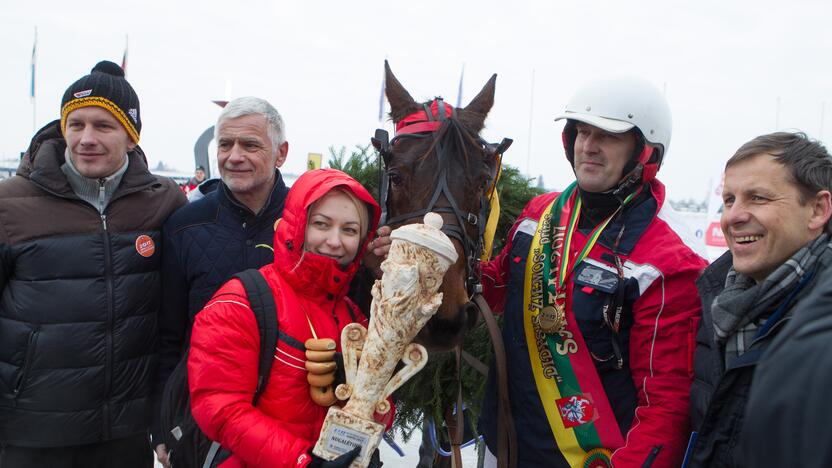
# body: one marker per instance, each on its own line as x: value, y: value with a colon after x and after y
x: 205, y: 242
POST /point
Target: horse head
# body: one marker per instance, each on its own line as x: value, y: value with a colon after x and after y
x: 438, y: 162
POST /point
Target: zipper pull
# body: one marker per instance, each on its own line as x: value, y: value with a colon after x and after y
x: 651, y: 457
x: 104, y: 220
x: 101, y: 193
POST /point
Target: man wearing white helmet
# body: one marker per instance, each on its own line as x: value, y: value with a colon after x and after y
x: 596, y: 284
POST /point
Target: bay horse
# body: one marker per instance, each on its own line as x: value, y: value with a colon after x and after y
x: 438, y: 162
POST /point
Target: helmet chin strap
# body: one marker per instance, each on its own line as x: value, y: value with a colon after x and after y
x: 644, y: 172
x: 651, y: 168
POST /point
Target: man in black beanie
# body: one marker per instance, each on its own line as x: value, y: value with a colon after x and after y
x: 80, y: 285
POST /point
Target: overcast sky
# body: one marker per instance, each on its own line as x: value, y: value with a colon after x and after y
x: 724, y: 66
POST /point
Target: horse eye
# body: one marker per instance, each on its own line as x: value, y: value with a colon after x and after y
x: 395, y: 179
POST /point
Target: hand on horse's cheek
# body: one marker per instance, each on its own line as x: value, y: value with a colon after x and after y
x: 381, y: 244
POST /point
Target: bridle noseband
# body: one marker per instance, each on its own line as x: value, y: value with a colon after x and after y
x: 426, y: 123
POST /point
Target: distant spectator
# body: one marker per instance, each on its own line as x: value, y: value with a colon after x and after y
x: 203, y: 189
x: 193, y: 182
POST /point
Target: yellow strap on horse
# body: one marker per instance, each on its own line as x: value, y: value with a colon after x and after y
x: 490, y: 227
x: 493, y: 216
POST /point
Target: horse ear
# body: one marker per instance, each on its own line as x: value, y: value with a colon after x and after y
x: 478, y: 108
x: 401, y: 103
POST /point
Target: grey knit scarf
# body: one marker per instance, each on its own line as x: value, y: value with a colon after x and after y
x: 88, y: 189
x: 744, y: 305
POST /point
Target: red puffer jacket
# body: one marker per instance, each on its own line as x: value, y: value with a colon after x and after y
x: 222, y: 365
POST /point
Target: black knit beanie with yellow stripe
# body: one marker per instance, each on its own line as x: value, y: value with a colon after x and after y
x: 107, y: 88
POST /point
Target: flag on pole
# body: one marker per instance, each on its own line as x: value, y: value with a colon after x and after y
x: 124, y: 57
x: 459, y: 91
x: 34, y: 60
x: 381, y: 99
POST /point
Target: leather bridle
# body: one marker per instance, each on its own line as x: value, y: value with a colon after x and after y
x: 437, y: 126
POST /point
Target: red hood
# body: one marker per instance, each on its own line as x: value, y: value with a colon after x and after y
x: 316, y: 272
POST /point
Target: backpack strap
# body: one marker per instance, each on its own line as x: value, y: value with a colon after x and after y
x: 352, y: 309
x: 265, y: 311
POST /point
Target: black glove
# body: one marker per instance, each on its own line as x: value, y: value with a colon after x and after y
x: 343, y: 461
x: 375, y: 461
x: 340, y: 375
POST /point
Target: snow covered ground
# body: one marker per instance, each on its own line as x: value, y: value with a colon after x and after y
x: 392, y: 459
x: 411, y: 451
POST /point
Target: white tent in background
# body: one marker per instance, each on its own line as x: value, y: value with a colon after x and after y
x: 714, y: 238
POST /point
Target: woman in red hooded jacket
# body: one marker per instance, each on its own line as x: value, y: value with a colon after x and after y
x: 318, y: 246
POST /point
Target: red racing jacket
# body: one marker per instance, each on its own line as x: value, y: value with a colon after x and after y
x: 649, y: 394
x: 225, y: 344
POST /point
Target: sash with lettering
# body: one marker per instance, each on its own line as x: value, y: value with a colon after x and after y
x: 576, y: 405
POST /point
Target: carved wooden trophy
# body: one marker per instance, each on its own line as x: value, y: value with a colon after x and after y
x: 404, y: 299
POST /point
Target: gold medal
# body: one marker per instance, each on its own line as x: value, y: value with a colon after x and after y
x: 551, y: 319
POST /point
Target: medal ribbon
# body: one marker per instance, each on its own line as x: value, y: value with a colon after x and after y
x: 561, y: 363
x: 564, y: 271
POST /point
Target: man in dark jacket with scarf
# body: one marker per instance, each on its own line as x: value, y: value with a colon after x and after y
x: 776, y: 221
x: 80, y: 263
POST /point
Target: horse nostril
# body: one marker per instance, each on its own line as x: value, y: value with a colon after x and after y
x: 471, y: 308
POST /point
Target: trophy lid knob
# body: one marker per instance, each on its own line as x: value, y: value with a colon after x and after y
x: 433, y: 220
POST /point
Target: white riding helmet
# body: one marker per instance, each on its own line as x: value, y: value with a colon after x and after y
x: 619, y: 104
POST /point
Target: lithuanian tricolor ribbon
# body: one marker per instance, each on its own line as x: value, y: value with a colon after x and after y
x: 564, y: 271
x: 576, y: 405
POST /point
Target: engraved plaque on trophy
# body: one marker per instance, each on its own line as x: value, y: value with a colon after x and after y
x: 403, y: 301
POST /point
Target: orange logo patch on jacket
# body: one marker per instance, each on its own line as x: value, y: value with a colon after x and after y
x: 145, y: 246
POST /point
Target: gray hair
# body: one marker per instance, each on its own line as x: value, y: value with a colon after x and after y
x: 250, y: 105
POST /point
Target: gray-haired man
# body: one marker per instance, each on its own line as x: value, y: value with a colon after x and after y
x: 227, y: 231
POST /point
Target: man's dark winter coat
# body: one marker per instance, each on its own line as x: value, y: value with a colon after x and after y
x: 80, y: 300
